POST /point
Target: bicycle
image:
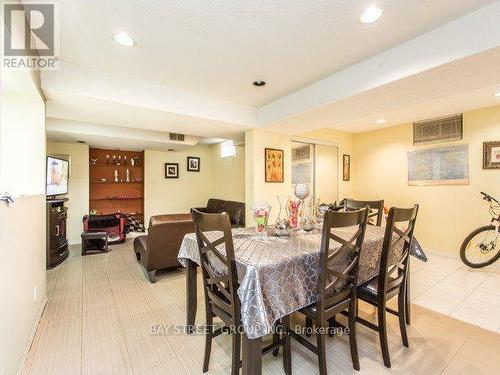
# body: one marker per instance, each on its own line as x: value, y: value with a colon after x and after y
x: 482, y: 248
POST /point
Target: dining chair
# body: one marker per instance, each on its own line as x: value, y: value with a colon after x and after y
x: 392, y: 277
x: 220, y: 284
x: 376, y: 208
x: 336, y: 289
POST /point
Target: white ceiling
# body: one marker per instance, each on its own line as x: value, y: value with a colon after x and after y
x: 217, y: 48
x: 194, y: 62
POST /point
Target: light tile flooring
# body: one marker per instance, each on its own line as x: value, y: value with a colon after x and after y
x: 101, y: 309
x: 444, y: 284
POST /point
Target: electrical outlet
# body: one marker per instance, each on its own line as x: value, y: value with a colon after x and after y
x: 35, y: 293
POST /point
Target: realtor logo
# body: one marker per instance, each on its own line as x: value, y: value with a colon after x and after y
x: 30, y: 37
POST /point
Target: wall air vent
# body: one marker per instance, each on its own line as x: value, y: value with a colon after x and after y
x: 442, y: 129
x: 176, y: 137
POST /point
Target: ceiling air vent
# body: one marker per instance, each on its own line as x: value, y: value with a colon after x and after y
x: 442, y: 129
x: 176, y: 137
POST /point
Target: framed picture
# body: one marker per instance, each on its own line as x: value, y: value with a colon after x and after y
x: 274, y: 165
x: 346, y: 167
x: 491, y: 155
x: 193, y: 164
x: 171, y: 170
x: 439, y: 166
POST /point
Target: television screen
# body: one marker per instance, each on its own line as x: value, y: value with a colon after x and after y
x: 57, y: 176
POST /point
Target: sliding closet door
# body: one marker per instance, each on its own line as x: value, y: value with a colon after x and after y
x: 326, y: 173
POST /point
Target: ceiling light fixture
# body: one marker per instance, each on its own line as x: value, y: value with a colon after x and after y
x: 381, y: 121
x: 371, y: 14
x: 497, y: 95
x: 259, y: 83
x: 123, y: 39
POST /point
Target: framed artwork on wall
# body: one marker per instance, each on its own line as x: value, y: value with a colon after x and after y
x: 491, y: 155
x: 274, y: 168
x: 346, y: 167
x: 193, y: 164
x: 439, y: 166
x: 171, y: 170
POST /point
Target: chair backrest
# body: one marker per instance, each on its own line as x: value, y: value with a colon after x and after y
x: 220, y: 278
x: 396, y: 248
x: 333, y: 283
x: 376, y: 208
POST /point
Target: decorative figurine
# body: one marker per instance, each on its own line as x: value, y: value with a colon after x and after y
x: 114, y: 159
x: 119, y: 160
x: 125, y: 160
x: 132, y: 162
x: 93, y: 161
x: 127, y: 178
x: 116, y: 175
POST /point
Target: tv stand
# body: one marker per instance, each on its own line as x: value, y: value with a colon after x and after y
x: 57, y: 242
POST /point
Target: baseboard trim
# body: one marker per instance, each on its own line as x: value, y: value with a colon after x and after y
x: 32, y: 335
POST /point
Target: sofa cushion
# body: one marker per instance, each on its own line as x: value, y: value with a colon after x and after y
x: 234, y: 210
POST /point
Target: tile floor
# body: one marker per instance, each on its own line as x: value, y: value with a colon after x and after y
x: 101, y: 308
x: 444, y: 284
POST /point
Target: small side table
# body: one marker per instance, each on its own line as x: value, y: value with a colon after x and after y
x: 87, y: 239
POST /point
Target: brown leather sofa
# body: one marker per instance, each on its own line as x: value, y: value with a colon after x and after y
x: 235, y: 210
x: 159, y: 248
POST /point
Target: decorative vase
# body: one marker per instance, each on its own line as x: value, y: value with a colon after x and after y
x: 282, y: 226
x: 308, y: 219
x: 302, y: 191
x: 293, y: 213
x: 261, y: 211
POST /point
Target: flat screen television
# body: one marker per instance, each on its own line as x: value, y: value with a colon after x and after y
x: 57, y: 176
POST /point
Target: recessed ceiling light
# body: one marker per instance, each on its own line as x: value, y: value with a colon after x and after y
x: 259, y: 83
x: 123, y: 39
x: 371, y: 14
x: 497, y: 95
x: 381, y: 121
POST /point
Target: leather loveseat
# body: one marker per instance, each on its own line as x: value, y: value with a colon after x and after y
x: 159, y: 248
x: 235, y: 210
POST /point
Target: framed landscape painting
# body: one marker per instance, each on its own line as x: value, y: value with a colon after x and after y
x: 274, y: 169
x: 439, y: 166
x: 491, y: 155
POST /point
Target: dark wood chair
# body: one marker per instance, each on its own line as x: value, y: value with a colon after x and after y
x: 393, y: 275
x: 336, y: 290
x: 376, y: 209
x: 220, y: 281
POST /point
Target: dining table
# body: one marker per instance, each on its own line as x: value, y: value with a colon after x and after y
x: 277, y: 276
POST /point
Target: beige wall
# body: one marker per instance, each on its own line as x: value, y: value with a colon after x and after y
x: 176, y: 195
x: 447, y: 213
x: 22, y: 224
x: 228, y: 174
x: 22, y: 270
x: 78, y: 187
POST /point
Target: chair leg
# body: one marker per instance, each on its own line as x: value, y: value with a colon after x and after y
x: 402, y: 298
x: 308, y: 326
x: 408, y: 297
x: 208, y: 341
x: 352, y: 333
x: 320, y: 337
x: 382, y: 324
x: 276, y: 338
x: 287, y: 349
x: 235, y: 365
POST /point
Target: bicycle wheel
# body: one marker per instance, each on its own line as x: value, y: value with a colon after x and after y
x: 481, y: 248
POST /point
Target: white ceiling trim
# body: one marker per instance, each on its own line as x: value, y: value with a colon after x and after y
x: 466, y: 36
x: 77, y: 81
x: 104, y: 135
